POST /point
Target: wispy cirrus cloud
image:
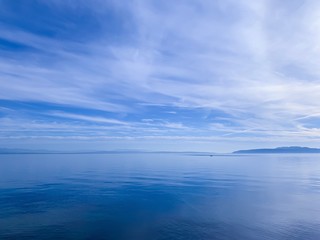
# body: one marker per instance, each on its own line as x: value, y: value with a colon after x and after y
x: 88, y: 118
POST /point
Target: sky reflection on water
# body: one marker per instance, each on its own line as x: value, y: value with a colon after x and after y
x: 159, y: 196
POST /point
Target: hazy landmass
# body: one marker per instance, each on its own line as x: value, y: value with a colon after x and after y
x: 293, y: 149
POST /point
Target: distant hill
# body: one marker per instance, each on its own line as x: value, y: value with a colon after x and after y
x: 293, y: 149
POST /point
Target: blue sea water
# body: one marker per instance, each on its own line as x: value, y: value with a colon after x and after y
x: 159, y: 197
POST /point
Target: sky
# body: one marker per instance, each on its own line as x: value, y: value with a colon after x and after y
x: 184, y: 75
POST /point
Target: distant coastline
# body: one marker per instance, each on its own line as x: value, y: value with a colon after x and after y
x: 292, y: 149
x: 278, y: 150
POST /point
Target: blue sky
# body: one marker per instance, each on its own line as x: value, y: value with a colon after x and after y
x: 159, y: 75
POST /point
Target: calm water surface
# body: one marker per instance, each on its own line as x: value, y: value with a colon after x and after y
x: 159, y: 197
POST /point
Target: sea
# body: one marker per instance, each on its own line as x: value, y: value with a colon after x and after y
x: 160, y: 196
